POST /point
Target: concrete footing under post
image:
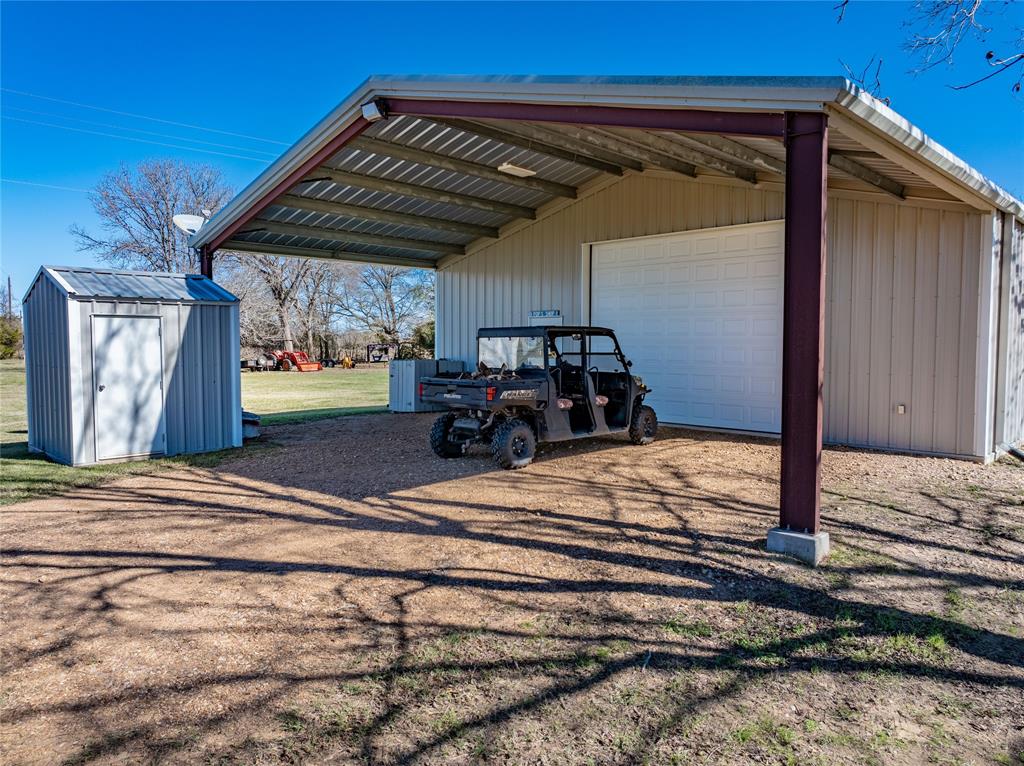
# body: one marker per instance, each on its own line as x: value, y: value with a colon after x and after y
x: 809, y: 548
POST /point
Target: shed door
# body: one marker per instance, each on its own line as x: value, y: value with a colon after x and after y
x: 700, y: 315
x: 128, y: 386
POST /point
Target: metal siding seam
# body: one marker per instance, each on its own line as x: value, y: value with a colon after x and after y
x: 902, y: 343
x: 947, y: 327
x: 880, y: 407
x: 978, y: 333
x: 236, y: 377
x: 1014, y: 378
x: 862, y: 265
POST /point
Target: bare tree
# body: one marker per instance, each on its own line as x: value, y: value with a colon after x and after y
x: 943, y: 25
x: 258, y: 319
x: 936, y: 31
x: 314, y: 303
x: 386, y: 300
x: 282, y: 278
x: 135, y: 207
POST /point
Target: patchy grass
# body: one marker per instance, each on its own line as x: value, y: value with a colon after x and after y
x: 352, y: 599
x: 285, y: 397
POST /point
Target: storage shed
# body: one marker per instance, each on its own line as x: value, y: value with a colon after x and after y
x: 126, y: 364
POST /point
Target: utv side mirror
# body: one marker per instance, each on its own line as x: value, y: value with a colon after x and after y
x: 629, y: 363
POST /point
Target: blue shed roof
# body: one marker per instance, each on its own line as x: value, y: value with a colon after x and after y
x: 81, y: 282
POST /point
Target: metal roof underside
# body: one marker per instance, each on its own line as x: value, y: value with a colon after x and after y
x: 411, y: 190
x: 105, y: 284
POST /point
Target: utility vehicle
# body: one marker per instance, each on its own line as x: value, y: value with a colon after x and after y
x: 539, y: 384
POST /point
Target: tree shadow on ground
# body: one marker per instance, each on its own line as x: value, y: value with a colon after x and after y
x: 522, y: 614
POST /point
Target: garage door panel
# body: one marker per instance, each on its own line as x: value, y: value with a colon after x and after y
x: 702, y: 323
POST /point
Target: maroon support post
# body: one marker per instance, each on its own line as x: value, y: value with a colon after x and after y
x: 206, y: 262
x: 803, y: 339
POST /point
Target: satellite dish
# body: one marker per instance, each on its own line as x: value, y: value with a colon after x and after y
x: 188, y: 223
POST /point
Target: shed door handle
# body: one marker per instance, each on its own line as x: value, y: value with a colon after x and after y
x: 102, y: 387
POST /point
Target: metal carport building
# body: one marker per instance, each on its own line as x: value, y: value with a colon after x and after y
x: 697, y: 215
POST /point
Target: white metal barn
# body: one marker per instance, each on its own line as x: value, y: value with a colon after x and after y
x: 784, y: 255
x: 124, y: 364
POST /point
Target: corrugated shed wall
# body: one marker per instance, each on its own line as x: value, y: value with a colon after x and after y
x: 45, y: 318
x: 201, y: 398
x: 902, y: 296
x: 1012, y: 400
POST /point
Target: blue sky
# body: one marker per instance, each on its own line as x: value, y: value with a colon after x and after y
x: 269, y: 71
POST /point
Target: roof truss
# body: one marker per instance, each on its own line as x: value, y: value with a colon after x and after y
x: 412, y: 154
x: 605, y: 146
x: 314, y: 204
x: 430, y: 193
x: 345, y: 235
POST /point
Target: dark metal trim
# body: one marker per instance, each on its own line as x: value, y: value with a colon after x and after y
x: 803, y: 320
x: 314, y: 161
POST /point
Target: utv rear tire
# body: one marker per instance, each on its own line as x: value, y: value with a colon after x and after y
x: 513, y: 444
x: 644, y: 426
x: 439, y: 441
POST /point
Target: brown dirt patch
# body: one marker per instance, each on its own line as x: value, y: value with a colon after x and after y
x: 348, y: 597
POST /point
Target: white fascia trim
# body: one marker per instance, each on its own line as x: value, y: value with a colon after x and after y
x: 886, y: 121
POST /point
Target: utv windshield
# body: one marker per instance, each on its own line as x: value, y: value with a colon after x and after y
x: 516, y: 353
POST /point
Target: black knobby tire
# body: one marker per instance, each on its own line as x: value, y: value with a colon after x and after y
x: 286, y: 365
x: 439, y: 441
x: 513, y: 444
x: 644, y: 426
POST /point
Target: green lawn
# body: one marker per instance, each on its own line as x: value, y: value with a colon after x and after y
x: 282, y: 397
x: 294, y: 397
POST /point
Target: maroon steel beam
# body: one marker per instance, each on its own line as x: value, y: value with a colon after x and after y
x: 206, y: 262
x: 324, y: 153
x: 803, y: 320
x: 761, y: 124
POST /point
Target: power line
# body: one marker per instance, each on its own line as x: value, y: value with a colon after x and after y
x: 139, y: 130
x: 139, y: 140
x: 142, y: 116
x: 43, y: 186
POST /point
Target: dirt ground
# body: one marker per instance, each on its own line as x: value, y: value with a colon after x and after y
x: 347, y: 597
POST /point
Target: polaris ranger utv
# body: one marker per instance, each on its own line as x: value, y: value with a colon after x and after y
x: 539, y: 384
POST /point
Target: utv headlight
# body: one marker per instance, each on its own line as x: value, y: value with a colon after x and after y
x: 639, y: 381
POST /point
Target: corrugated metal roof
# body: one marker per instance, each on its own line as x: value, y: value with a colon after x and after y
x: 834, y: 95
x: 88, y: 283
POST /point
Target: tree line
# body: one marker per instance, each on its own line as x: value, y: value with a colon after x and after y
x: 326, y: 308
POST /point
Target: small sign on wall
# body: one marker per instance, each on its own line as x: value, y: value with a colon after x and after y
x: 545, y: 317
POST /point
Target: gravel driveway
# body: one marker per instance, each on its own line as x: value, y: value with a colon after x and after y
x: 347, y: 597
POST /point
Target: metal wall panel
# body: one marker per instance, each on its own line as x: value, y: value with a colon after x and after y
x: 901, y: 317
x: 901, y: 324
x: 47, y: 370
x: 1011, y: 400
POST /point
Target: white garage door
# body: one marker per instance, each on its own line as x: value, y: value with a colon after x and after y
x: 700, y: 315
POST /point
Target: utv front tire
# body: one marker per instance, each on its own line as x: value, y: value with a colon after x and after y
x: 513, y: 444
x: 644, y: 426
x: 439, y: 441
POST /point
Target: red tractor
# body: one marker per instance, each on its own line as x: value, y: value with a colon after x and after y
x: 294, y: 360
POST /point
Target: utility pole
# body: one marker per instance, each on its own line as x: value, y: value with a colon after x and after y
x: 10, y: 306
